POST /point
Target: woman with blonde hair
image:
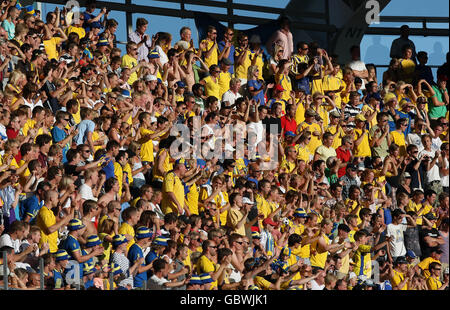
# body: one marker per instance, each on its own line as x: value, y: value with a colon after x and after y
x: 255, y: 86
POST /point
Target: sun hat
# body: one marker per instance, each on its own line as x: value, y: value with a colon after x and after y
x: 92, y: 241
x: 143, y: 232
x: 75, y: 224
x: 118, y: 240
x: 61, y: 255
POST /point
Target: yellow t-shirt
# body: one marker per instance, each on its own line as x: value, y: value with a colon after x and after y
x: 285, y: 82
x: 46, y: 218
x: 192, y: 199
x: 337, y: 142
x: 172, y: 183
x: 433, y: 284
x: 319, y: 259
x: 235, y: 216
x: 204, y: 265
x: 146, y: 147
x: 399, y: 139
x: 167, y: 165
x: 363, y: 149
x: 240, y: 71
x: 29, y: 124
x: 303, y: 153
x: 300, y: 112
x: 213, y: 58
x: 425, y: 264
x: 333, y: 83
x: 51, y: 47
x: 315, y: 141
x: 212, y: 88
x: 130, y: 62
x: 259, y: 63
x: 127, y: 229
x: 224, y: 83
x: 397, y: 278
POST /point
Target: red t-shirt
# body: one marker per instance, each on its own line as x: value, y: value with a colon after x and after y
x: 344, y: 156
x: 288, y: 125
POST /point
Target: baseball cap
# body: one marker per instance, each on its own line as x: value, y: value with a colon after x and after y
x: 88, y: 269
x: 153, y: 54
x: 181, y: 84
x: 118, y: 240
x: 278, y: 87
x: 269, y: 221
x: 143, y: 232
x: 300, y: 212
x: 389, y: 97
x: 430, y: 216
x: 256, y: 235
x: 335, y: 113
x: 115, y: 269
x: 75, y: 224
x: 126, y: 93
x: 61, y: 255
x: 310, y: 112
x: 400, y: 260
x: 410, y: 253
x: 150, y: 77
x: 289, y: 134
x: 92, y: 241
x: 160, y: 241
x: 246, y: 200
x: 102, y: 42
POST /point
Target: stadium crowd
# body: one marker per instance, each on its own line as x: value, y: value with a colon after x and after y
x: 308, y: 174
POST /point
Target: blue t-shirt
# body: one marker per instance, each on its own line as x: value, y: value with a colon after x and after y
x: 387, y: 216
x: 10, y: 28
x: 87, y: 26
x: 257, y: 85
x: 72, y: 245
x: 410, y: 116
x: 84, y: 127
x: 304, y: 83
x: 58, y: 135
x: 134, y: 254
x: 31, y: 207
x: 221, y: 45
x: 108, y: 169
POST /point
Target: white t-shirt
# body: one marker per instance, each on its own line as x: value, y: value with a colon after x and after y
x: 6, y: 240
x: 230, y: 97
x: 155, y: 283
x: 436, y: 144
x: 86, y: 192
x: 433, y: 173
x: 397, y: 244
x: 414, y: 138
x: 316, y: 287
x: 445, y: 179
x: 359, y: 65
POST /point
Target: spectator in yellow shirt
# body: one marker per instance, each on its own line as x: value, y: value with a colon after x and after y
x: 209, y: 48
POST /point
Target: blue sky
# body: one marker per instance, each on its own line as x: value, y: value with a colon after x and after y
x: 374, y: 49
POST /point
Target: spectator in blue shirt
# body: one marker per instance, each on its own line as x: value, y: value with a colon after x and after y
x: 30, y: 207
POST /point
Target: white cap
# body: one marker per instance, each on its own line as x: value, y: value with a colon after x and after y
x: 351, y: 275
x: 246, y: 200
x: 150, y: 77
x: 153, y: 119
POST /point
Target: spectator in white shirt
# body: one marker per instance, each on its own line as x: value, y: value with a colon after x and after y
x: 230, y: 96
x: 159, y: 279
